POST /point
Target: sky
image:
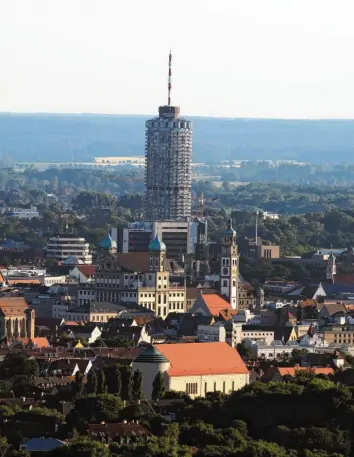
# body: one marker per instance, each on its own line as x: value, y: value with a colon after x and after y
x: 231, y: 58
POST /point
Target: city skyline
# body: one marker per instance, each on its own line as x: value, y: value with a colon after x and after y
x: 251, y: 59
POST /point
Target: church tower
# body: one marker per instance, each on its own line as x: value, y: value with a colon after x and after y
x: 229, y: 266
x: 331, y: 269
x: 157, y: 250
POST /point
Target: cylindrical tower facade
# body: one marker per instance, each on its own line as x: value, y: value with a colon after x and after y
x: 168, y: 177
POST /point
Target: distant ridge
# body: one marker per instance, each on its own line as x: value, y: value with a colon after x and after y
x: 45, y: 137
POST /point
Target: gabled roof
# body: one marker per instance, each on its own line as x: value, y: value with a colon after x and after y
x: 114, y: 430
x: 13, y: 306
x: 215, y: 303
x: 12, y: 282
x: 39, y: 342
x: 87, y: 270
x: 195, y: 359
x: 328, y: 309
x: 291, y: 371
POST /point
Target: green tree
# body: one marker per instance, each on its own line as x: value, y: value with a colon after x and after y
x: 126, y: 391
x: 78, y: 384
x: 101, y: 382
x: 158, y: 386
x: 118, y: 381
x: 136, y: 385
x: 81, y: 447
x: 92, y: 382
x: 94, y: 409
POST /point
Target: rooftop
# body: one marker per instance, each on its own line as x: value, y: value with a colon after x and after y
x: 215, y: 303
x: 194, y: 359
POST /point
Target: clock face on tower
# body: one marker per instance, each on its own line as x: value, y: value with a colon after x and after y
x: 225, y: 271
x: 234, y: 271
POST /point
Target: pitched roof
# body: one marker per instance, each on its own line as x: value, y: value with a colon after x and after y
x: 117, y: 430
x: 12, y: 282
x: 194, y: 359
x: 345, y: 279
x: 227, y: 314
x: 291, y: 371
x: 328, y: 309
x: 215, y: 303
x: 39, y: 342
x: 87, y: 270
x: 13, y: 306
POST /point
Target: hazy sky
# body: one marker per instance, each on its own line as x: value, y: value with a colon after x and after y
x: 235, y: 58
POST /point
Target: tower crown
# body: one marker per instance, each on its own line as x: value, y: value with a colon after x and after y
x: 108, y: 243
x: 229, y: 235
x: 157, y: 245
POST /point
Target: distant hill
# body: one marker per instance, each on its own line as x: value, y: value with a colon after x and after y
x: 42, y: 137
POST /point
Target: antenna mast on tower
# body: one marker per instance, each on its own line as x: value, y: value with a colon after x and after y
x: 169, y: 77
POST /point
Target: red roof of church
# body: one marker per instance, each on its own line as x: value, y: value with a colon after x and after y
x: 194, y: 359
x: 215, y: 303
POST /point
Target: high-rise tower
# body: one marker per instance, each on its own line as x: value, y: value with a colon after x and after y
x: 168, y: 174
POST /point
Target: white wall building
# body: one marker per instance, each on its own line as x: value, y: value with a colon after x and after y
x: 245, y: 316
x: 22, y: 213
x: 209, y: 333
x: 63, y: 246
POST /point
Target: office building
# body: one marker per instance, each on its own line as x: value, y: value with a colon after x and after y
x: 62, y: 247
x: 168, y: 152
x: 181, y: 238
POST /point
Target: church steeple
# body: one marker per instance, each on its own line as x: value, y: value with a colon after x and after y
x: 229, y: 265
x: 108, y: 244
x: 331, y: 269
x: 157, y: 249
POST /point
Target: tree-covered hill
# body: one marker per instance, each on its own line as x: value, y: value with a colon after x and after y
x: 43, y: 137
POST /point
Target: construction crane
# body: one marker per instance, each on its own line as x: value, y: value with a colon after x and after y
x: 202, y: 200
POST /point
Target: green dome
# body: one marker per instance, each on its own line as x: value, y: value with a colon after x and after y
x: 157, y: 245
x: 229, y: 231
x: 108, y: 243
x: 151, y: 355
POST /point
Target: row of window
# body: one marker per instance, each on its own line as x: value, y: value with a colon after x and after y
x: 192, y: 387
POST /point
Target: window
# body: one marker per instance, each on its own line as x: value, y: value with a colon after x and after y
x: 233, y: 386
x: 205, y: 388
x: 191, y: 388
x: 224, y: 283
x: 214, y: 386
x: 223, y: 387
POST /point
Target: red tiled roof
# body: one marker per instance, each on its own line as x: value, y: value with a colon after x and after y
x: 345, y: 279
x: 215, y: 303
x: 291, y: 371
x: 87, y: 270
x: 194, y: 359
x: 40, y: 342
x: 13, y: 306
x: 12, y: 282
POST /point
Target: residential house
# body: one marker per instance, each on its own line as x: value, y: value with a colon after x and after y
x: 91, y: 312
x: 209, y: 333
x: 257, y: 333
x: 83, y: 273
x: 210, y: 305
x: 134, y: 334
x: 122, y: 433
x: 278, y: 373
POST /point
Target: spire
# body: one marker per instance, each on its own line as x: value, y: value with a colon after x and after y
x: 169, y: 78
x: 229, y: 224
